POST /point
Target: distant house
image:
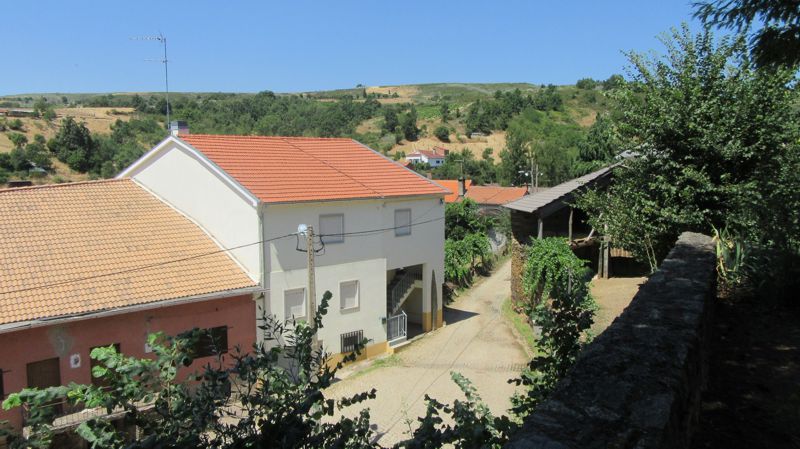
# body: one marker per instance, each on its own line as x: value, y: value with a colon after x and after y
x: 105, y: 263
x: 380, y: 249
x: 20, y: 112
x: 434, y: 157
x: 490, y: 200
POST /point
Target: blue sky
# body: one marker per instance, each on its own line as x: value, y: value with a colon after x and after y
x: 292, y: 46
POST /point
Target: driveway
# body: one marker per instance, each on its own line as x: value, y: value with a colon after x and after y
x: 477, y: 342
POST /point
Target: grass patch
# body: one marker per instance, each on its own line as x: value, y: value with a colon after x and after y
x: 385, y: 362
x: 519, y: 323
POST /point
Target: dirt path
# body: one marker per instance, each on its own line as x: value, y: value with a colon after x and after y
x: 476, y: 342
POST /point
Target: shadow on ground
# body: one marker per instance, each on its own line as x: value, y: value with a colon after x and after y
x: 753, y: 395
x: 452, y: 316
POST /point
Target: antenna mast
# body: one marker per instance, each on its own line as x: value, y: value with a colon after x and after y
x: 163, y: 39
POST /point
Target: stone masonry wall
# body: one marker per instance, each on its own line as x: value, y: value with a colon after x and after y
x: 638, y: 384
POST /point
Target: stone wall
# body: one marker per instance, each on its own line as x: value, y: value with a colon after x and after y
x: 638, y: 384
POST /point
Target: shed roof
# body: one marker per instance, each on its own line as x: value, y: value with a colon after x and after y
x: 73, y: 249
x: 297, y: 169
x: 548, y: 200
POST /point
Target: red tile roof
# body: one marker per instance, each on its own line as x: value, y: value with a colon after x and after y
x: 488, y: 195
x: 436, y: 153
x: 495, y: 195
x: 78, y: 248
x: 452, y: 186
x: 293, y: 169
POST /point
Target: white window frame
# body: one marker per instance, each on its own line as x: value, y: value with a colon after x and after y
x: 402, y: 231
x: 287, y: 313
x: 331, y: 239
x: 358, y: 295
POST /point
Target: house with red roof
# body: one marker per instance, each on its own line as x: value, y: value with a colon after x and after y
x: 104, y: 263
x: 433, y: 157
x: 380, y: 227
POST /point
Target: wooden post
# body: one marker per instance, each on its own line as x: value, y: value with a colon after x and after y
x: 570, y: 224
x: 312, y: 291
x: 606, y: 253
x: 540, y: 234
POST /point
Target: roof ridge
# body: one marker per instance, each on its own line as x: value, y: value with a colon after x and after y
x: 380, y: 195
x: 245, y: 136
x: 63, y: 184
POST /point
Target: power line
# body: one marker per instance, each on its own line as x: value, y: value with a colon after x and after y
x: 197, y: 256
x: 378, y: 231
x: 143, y: 267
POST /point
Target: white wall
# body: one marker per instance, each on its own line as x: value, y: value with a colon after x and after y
x: 365, y: 257
x: 181, y: 179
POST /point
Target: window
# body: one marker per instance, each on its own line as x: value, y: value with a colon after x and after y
x: 99, y: 382
x: 351, y: 340
x: 348, y: 292
x: 331, y: 227
x: 294, y: 303
x: 402, y: 222
x: 208, y: 342
x: 43, y: 374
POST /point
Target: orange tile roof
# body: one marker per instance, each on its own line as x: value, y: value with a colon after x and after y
x: 495, y: 195
x: 53, y: 236
x: 452, y: 186
x: 293, y: 169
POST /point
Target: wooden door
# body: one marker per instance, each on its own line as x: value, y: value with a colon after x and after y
x: 43, y: 374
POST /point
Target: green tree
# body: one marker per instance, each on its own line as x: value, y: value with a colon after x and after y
x: 719, y: 147
x: 390, y: 120
x: 586, y: 83
x: 408, y: 124
x: 442, y: 133
x: 776, y: 42
x: 17, y: 139
x: 73, y: 145
x: 444, y: 110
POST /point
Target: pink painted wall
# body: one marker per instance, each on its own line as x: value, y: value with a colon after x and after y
x: 129, y: 330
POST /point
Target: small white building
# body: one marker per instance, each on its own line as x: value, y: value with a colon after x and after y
x: 434, y: 157
x: 381, y: 251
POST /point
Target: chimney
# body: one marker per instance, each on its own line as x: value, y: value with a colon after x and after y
x: 462, y: 187
x: 178, y: 127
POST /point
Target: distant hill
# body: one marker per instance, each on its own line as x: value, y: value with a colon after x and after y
x: 100, y: 110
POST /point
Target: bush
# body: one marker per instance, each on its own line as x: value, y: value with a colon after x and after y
x: 586, y: 83
x: 16, y: 125
x: 442, y: 133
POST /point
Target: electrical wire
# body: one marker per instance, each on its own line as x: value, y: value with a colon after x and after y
x: 320, y: 251
x: 143, y: 267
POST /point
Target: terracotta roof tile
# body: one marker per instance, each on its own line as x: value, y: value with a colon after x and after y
x: 293, y: 169
x: 495, y: 195
x: 452, y: 186
x: 106, y: 230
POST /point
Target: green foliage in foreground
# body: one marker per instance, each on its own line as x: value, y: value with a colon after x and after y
x: 270, y: 397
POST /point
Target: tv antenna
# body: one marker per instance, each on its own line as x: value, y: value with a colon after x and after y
x: 163, y: 39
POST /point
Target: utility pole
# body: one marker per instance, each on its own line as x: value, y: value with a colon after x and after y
x: 308, y: 231
x: 163, y: 39
x: 534, y: 169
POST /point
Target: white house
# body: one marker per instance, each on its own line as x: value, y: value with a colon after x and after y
x: 434, y: 157
x: 381, y: 251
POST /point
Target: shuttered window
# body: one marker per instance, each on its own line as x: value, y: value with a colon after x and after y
x: 402, y: 222
x: 294, y: 303
x: 331, y: 228
x: 348, y: 294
